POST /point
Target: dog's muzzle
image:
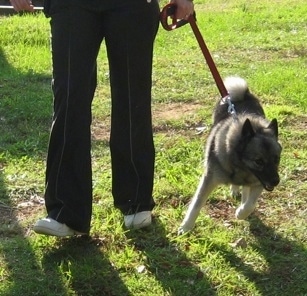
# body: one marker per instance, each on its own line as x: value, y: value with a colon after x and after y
x: 268, y: 183
x: 271, y: 185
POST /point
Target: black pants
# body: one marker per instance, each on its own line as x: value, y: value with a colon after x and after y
x: 129, y: 30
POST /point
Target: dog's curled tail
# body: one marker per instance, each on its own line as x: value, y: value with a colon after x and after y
x: 237, y: 87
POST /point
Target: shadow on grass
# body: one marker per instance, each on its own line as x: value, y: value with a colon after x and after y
x: 19, y: 269
x: 170, y: 266
x: 286, y: 261
x: 79, y: 265
x: 75, y: 266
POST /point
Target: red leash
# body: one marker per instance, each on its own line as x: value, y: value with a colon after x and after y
x: 170, y: 11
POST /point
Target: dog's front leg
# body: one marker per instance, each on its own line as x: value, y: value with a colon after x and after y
x: 235, y: 190
x: 249, y: 199
x: 206, y: 185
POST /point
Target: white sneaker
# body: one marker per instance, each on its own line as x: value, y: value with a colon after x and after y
x: 50, y: 226
x: 138, y: 220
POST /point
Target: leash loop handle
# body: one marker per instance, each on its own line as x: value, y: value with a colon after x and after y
x: 169, y: 12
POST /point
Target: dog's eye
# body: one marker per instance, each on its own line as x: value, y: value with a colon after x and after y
x: 259, y: 162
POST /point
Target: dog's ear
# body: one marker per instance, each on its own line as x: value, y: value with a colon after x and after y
x: 247, y: 130
x: 247, y: 133
x: 273, y: 126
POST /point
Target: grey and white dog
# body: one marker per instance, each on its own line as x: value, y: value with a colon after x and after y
x: 241, y: 150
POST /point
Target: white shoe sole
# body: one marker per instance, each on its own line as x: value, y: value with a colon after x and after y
x: 138, y: 220
x: 48, y: 226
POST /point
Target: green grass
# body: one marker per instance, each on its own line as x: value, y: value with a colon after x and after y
x: 264, y: 42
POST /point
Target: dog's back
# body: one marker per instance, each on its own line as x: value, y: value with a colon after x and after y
x: 243, y: 100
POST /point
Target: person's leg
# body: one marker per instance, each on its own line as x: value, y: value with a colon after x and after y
x: 130, y: 32
x: 76, y: 38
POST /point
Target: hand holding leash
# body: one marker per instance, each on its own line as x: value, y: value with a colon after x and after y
x: 177, y: 13
x: 185, y: 8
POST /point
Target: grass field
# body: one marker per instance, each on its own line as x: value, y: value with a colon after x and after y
x: 262, y: 41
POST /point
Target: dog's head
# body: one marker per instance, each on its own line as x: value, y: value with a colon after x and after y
x: 261, y: 151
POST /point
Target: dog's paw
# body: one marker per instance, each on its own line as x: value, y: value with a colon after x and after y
x: 242, y: 213
x: 184, y: 228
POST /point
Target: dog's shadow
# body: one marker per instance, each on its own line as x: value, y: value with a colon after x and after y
x: 286, y: 261
x: 85, y: 269
x: 170, y: 266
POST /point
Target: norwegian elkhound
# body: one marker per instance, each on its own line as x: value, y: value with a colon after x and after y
x: 242, y: 150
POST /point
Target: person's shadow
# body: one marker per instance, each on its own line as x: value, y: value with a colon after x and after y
x: 22, y: 273
x: 87, y: 271
x: 170, y: 266
x: 285, y: 268
x: 285, y: 273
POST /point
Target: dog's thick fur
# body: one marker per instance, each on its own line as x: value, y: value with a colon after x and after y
x: 241, y: 151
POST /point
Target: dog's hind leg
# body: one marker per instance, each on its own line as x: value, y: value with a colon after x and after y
x: 206, y: 185
x: 249, y: 199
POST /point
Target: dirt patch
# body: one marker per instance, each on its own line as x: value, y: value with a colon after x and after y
x: 6, y: 214
x: 299, y: 122
x: 101, y: 130
x: 174, y: 111
x: 14, y: 219
x: 161, y: 113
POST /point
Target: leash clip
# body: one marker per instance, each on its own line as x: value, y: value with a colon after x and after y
x: 231, y: 108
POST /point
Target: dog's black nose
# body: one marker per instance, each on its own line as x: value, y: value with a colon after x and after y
x: 275, y: 181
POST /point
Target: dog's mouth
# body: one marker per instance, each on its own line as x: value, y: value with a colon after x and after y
x: 268, y: 187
